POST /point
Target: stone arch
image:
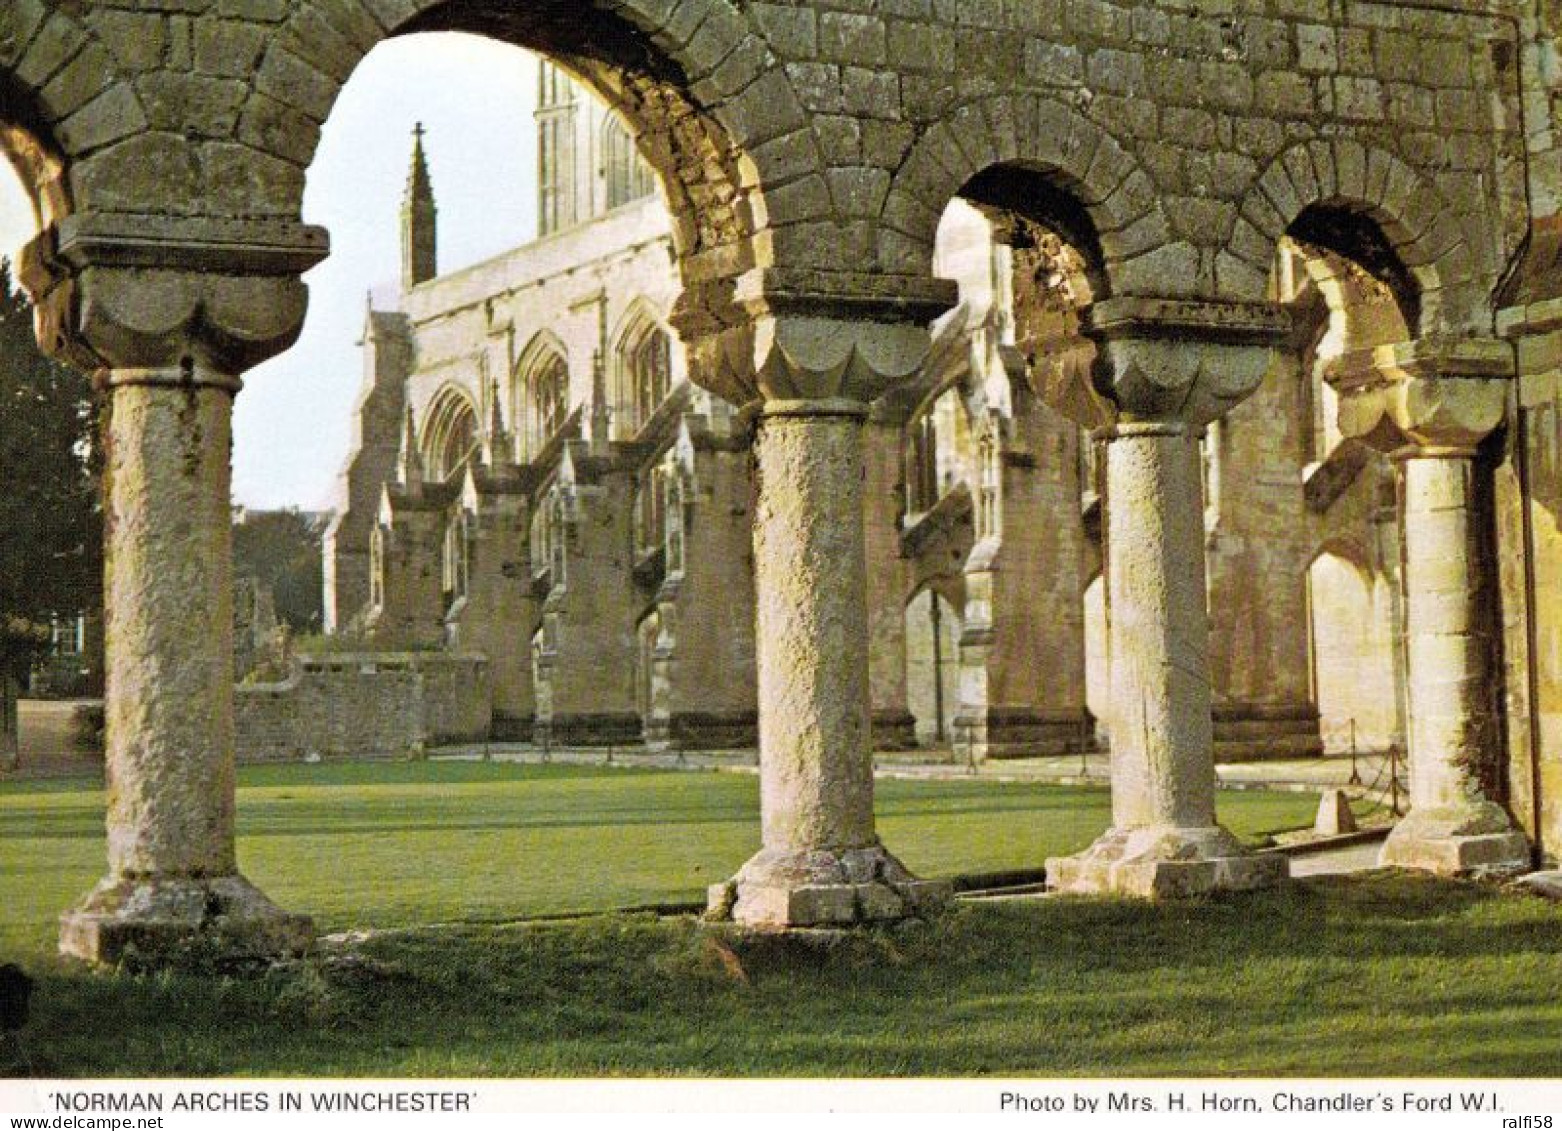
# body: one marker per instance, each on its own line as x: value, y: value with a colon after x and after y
x: 1074, y: 156
x: 1427, y: 235
x: 450, y: 432
x: 639, y: 327
x: 698, y: 87
x: 542, y: 358
x: 54, y: 129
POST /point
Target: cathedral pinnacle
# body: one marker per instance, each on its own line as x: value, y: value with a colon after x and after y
x: 419, y: 240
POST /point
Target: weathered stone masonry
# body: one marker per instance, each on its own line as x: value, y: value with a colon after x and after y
x: 807, y: 153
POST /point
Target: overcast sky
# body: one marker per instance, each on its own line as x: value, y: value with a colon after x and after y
x: 475, y: 97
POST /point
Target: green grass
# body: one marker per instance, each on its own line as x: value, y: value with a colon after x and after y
x: 398, y: 844
x: 1374, y: 976
x: 1386, y: 975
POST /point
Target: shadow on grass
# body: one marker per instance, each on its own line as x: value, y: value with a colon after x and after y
x: 1380, y: 975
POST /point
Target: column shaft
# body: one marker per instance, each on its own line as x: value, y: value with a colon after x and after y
x: 1162, y: 767
x: 1452, y: 829
x: 821, y: 862
x: 173, y: 879
x: 811, y: 585
x: 168, y: 607
x: 1450, y: 724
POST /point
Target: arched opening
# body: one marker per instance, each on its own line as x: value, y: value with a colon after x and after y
x: 1350, y: 292
x: 933, y: 666
x: 51, y: 635
x: 547, y: 400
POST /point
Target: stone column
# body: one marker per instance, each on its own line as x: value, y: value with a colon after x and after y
x: 821, y: 863
x: 1166, y: 369
x: 1431, y: 404
x: 170, y: 312
x: 168, y: 598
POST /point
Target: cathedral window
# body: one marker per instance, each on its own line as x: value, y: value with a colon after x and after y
x: 922, y: 480
x: 549, y: 400
x: 377, y: 567
x: 555, y: 150
x: 989, y: 491
x: 449, y: 435
x: 646, y: 373
x: 625, y: 173
x: 674, y: 522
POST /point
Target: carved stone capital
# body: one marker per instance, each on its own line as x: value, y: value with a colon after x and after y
x: 1427, y: 395
x: 120, y: 291
x: 1172, y: 360
x: 803, y: 347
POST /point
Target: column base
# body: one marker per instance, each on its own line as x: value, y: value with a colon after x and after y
x: 824, y: 889
x: 169, y: 921
x: 1465, y: 842
x: 1164, y: 862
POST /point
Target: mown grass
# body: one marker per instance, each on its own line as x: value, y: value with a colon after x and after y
x: 397, y: 844
x: 1379, y: 975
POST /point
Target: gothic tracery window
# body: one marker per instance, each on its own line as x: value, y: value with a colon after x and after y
x: 450, y: 435
x: 646, y: 365
x: 555, y: 150
x: 625, y: 173
x: 549, y: 399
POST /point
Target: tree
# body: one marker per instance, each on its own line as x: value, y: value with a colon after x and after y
x: 51, y: 529
x: 281, y: 550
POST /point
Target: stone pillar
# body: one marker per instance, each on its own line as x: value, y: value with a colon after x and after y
x: 1167, y: 368
x: 500, y: 611
x: 170, y: 312
x: 410, y: 614
x: 168, y: 598
x: 1432, y: 403
x: 812, y: 377
x: 822, y: 861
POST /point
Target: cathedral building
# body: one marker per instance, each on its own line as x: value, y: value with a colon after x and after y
x: 535, y: 480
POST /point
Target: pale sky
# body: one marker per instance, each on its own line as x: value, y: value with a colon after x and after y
x: 475, y: 97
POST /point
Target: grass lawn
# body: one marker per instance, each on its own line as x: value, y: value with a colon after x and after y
x: 1385, y: 974
x: 407, y: 843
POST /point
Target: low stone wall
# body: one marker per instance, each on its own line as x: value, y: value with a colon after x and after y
x: 363, y: 705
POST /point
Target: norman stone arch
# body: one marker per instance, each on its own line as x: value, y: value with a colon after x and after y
x: 698, y: 88
x: 1046, y: 137
x: 1425, y: 232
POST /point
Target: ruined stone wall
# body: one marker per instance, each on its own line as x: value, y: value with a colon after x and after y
x: 363, y: 705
